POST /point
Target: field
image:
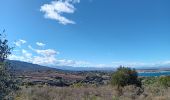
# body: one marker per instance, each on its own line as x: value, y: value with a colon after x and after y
x: 92, y: 93
x: 89, y: 85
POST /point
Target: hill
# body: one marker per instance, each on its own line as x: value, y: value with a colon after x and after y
x: 37, y: 74
x: 24, y: 66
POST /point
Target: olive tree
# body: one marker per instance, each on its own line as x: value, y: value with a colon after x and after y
x: 125, y: 76
x: 7, y: 83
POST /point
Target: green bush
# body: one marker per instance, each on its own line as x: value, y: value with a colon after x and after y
x: 7, y: 83
x: 150, y: 81
x: 164, y: 81
x: 125, y: 76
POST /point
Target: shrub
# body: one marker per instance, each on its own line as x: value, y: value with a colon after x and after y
x: 164, y: 81
x: 125, y: 76
x: 7, y: 83
x: 149, y: 81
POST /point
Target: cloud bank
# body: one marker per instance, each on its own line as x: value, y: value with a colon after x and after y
x: 48, y: 57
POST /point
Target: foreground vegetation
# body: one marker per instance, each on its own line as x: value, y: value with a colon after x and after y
x: 124, y: 85
x: 130, y: 92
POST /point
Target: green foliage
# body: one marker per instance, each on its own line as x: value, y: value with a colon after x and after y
x: 5, y: 50
x: 125, y: 76
x: 164, y: 81
x: 150, y: 81
x: 7, y: 83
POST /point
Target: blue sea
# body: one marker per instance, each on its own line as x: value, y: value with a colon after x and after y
x: 149, y: 74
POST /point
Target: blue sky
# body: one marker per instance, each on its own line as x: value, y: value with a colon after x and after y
x: 93, y: 33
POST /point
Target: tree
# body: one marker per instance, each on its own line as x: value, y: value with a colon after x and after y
x: 125, y: 76
x: 7, y: 83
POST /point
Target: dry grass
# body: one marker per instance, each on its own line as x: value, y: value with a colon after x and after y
x: 157, y: 93
x: 92, y: 93
x: 66, y: 93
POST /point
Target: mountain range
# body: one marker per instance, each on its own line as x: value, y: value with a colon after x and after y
x: 25, y: 66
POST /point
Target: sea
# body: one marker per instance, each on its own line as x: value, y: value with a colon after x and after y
x: 151, y: 74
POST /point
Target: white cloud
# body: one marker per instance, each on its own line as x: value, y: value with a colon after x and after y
x: 20, y: 42
x: 64, y: 62
x: 47, y: 52
x: 47, y: 60
x: 55, y: 9
x: 30, y: 47
x: 16, y: 57
x: 40, y: 44
x: 44, y: 56
x: 44, y: 52
x: 24, y: 56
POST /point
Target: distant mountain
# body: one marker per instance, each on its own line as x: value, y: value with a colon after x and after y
x: 70, y: 68
x: 24, y: 66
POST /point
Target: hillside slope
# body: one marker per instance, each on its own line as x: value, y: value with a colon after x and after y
x: 24, y: 66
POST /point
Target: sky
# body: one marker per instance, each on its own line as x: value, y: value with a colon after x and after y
x: 88, y: 33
